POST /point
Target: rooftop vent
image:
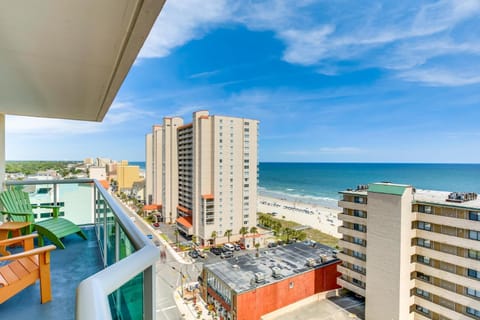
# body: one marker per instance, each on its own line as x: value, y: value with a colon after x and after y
x: 311, y: 262
x: 276, y: 272
x: 362, y: 187
x: 461, y: 196
x: 259, y: 277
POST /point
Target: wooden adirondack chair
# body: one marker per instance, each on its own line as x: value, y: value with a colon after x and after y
x: 25, y: 269
x: 17, y: 207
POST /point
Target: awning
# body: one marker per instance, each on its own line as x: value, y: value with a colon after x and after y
x: 152, y: 207
x: 185, y: 221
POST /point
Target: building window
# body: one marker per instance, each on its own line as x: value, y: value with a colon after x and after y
x: 473, y: 273
x: 424, y: 226
x: 359, y: 241
x: 474, y: 312
x: 423, y: 277
x: 358, y: 269
x: 473, y: 292
x: 422, y: 293
x: 424, y: 209
x: 475, y: 235
x: 474, y: 254
x: 359, y: 255
x: 424, y: 243
x: 423, y: 259
x: 359, y: 200
x: 359, y: 227
x: 359, y: 213
x: 472, y: 215
x: 422, y: 309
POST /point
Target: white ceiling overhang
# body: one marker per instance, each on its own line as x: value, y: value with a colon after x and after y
x: 68, y: 58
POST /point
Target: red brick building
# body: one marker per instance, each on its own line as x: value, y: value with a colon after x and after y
x: 247, y: 287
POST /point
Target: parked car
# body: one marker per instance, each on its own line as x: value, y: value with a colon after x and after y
x: 272, y: 244
x: 216, y: 250
x: 237, y: 247
x: 228, y: 247
x: 202, y: 254
x: 193, y: 253
x: 149, y: 236
x: 226, y: 254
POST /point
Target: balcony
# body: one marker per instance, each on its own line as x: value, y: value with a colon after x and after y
x: 109, y: 276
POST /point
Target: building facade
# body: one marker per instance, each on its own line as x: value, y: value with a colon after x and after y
x: 247, y: 287
x: 413, y: 254
x: 205, y: 172
x: 127, y: 175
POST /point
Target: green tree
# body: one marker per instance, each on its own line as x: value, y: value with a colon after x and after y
x: 176, y: 232
x: 214, y: 236
x: 243, y: 231
x: 287, y: 232
x: 254, y: 231
x: 228, y: 234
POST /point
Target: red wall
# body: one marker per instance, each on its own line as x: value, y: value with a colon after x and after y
x: 253, y: 304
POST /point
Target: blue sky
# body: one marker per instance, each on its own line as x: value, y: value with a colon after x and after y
x: 346, y: 81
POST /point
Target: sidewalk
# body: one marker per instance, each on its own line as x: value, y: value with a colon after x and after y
x: 155, y: 233
x: 190, y: 307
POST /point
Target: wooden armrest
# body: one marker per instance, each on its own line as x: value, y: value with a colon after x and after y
x: 28, y: 253
x: 7, y: 242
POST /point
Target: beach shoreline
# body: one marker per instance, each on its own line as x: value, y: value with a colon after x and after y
x: 318, y: 217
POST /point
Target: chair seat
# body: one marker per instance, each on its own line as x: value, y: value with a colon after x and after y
x: 55, y: 229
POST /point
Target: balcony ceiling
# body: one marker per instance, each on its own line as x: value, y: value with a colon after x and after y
x: 68, y: 59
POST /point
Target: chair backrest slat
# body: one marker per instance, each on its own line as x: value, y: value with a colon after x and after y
x: 16, y: 201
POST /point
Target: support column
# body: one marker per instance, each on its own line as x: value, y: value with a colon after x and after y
x: 2, y: 151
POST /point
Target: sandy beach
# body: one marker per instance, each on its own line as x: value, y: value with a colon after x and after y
x: 318, y: 217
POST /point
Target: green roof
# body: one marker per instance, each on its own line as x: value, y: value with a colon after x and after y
x: 394, y: 189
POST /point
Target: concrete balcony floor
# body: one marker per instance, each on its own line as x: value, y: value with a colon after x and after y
x: 69, y: 267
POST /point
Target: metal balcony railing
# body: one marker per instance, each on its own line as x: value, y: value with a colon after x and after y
x: 125, y: 288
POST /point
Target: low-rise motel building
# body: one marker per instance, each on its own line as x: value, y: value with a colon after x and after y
x: 248, y: 286
x: 413, y: 254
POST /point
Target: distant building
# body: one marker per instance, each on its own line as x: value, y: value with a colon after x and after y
x: 413, y: 254
x: 88, y: 161
x: 127, y: 175
x: 246, y: 287
x: 99, y: 173
x: 204, y: 174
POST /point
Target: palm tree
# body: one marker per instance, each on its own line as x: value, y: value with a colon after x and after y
x: 254, y: 231
x: 176, y: 236
x: 288, y: 232
x: 243, y: 231
x: 228, y: 234
x: 214, y: 236
x: 276, y: 227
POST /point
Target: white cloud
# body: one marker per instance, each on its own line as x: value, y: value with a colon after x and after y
x: 119, y: 114
x: 181, y: 21
x: 439, y: 77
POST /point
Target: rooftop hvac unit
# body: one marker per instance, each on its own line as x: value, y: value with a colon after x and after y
x: 259, y: 277
x: 276, y: 272
x: 311, y: 262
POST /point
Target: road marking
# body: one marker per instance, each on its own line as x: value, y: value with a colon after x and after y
x: 167, y: 308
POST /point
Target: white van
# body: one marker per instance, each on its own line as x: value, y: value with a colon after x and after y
x: 228, y: 247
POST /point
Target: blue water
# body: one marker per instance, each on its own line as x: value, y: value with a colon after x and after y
x: 321, y: 182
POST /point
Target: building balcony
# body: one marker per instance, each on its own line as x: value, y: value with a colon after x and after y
x: 352, y: 246
x: 352, y: 219
x: 350, y: 286
x: 352, y: 232
x: 352, y: 205
x: 108, y: 276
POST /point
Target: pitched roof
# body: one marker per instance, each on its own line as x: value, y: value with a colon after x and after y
x: 185, y: 221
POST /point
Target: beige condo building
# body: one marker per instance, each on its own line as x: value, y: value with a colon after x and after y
x: 413, y: 254
x: 127, y: 175
x: 204, y: 173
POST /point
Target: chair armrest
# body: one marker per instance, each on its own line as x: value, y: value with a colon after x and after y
x: 10, y: 241
x: 28, y: 253
x: 17, y: 213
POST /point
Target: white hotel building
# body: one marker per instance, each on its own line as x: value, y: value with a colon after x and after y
x: 413, y: 254
x: 204, y: 173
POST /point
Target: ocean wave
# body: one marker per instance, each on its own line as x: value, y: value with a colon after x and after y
x: 302, y: 198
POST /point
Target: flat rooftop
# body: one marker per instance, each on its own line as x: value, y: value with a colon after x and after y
x: 288, y: 260
x: 422, y: 196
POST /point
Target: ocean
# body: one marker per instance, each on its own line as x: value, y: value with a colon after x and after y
x: 320, y: 183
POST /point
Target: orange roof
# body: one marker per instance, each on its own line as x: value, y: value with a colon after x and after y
x: 184, y: 209
x: 151, y: 207
x: 207, y: 196
x: 185, y: 126
x: 203, y: 117
x: 185, y: 221
x: 105, y: 184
